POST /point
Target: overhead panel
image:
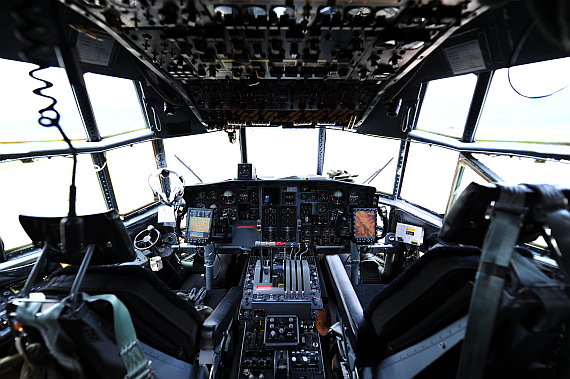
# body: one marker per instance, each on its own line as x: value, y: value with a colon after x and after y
x: 295, y: 64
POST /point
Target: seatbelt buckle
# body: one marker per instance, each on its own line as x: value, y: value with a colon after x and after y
x: 144, y: 372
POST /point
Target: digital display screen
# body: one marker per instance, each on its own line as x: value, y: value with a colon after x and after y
x: 365, y: 225
x: 199, y: 225
x: 271, y: 195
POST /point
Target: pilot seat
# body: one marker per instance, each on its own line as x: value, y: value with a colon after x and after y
x: 456, y: 311
x: 103, y: 320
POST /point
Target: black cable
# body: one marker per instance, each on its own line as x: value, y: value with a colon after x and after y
x: 2, y: 251
x: 220, y: 269
x: 181, y: 211
x: 384, y: 222
x: 513, y: 61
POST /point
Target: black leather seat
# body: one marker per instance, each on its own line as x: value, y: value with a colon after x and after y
x: 169, y: 325
x: 429, y: 301
x: 431, y: 293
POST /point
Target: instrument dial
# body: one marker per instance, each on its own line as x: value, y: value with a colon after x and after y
x: 353, y: 197
x: 228, y: 197
x: 243, y: 196
x: 337, y: 197
x: 212, y: 195
x: 200, y: 205
x: 201, y: 195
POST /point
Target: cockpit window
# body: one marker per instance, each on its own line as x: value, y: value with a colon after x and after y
x: 115, y: 104
x: 362, y: 155
x: 210, y: 155
x: 508, y: 116
x: 130, y: 167
x: 278, y: 152
x: 19, y: 121
x: 527, y: 170
x: 41, y: 187
x: 429, y: 176
x: 446, y: 104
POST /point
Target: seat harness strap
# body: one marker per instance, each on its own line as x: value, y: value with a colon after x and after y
x: 46, y: 321
x: 501, y: 236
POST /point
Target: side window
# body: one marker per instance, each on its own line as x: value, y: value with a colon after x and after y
x: 429, y: 176
x: 130, y: 167
x: 446, y: 104
x: 41, y: 187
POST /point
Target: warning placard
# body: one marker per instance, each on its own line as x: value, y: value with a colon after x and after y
x: 465, y: 58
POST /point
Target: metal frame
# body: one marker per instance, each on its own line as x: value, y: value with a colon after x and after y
x: 13, y: 151
x: 401, y: 167
x: 243, y: 144
x: 466, y: 159
x: 321, y: 149
x: 482, y: 86
x: 531, y: 150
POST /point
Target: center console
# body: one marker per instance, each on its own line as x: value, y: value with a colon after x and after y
x: 280, y: 303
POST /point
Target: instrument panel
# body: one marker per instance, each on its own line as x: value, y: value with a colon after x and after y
x: 315, y: 213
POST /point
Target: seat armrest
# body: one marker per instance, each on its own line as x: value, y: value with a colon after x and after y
x: 357, y: 328
x: 218, y: 322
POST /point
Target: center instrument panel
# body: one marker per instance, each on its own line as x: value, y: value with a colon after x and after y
x: 282, y: 223
x: 315, y: 213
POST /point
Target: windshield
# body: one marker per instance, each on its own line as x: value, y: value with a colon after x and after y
x: 41, y: 187
x: 210, y: 155
x: 278, y: 153
x: 445, y: 105
x: 19, y: 122
x: 363, y: 155
x: 508, y: 116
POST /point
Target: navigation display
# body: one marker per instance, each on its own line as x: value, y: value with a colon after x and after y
x: 199, y: 225
x: 365, y: 225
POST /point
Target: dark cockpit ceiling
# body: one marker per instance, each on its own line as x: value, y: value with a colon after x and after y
x: 351, y: 65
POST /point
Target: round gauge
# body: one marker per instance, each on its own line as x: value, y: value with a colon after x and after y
x: 323, y: 196
x: 212, y: 195
x: 321, y: 208
x: 344, y: 229
x: 201, y: 195
x: 200, y: 205
x: 243, y: 196
x: 227, y: 197
x: 336, y: 196
x: 213, y: 206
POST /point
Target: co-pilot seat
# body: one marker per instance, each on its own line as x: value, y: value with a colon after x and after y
x: 415, y: 325
x: 170, y: 330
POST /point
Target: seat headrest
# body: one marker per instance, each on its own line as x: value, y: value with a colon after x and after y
x: 105, y: 231
x: 467, y: 222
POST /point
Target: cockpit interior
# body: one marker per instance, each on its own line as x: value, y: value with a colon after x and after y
x: 284, y: 189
